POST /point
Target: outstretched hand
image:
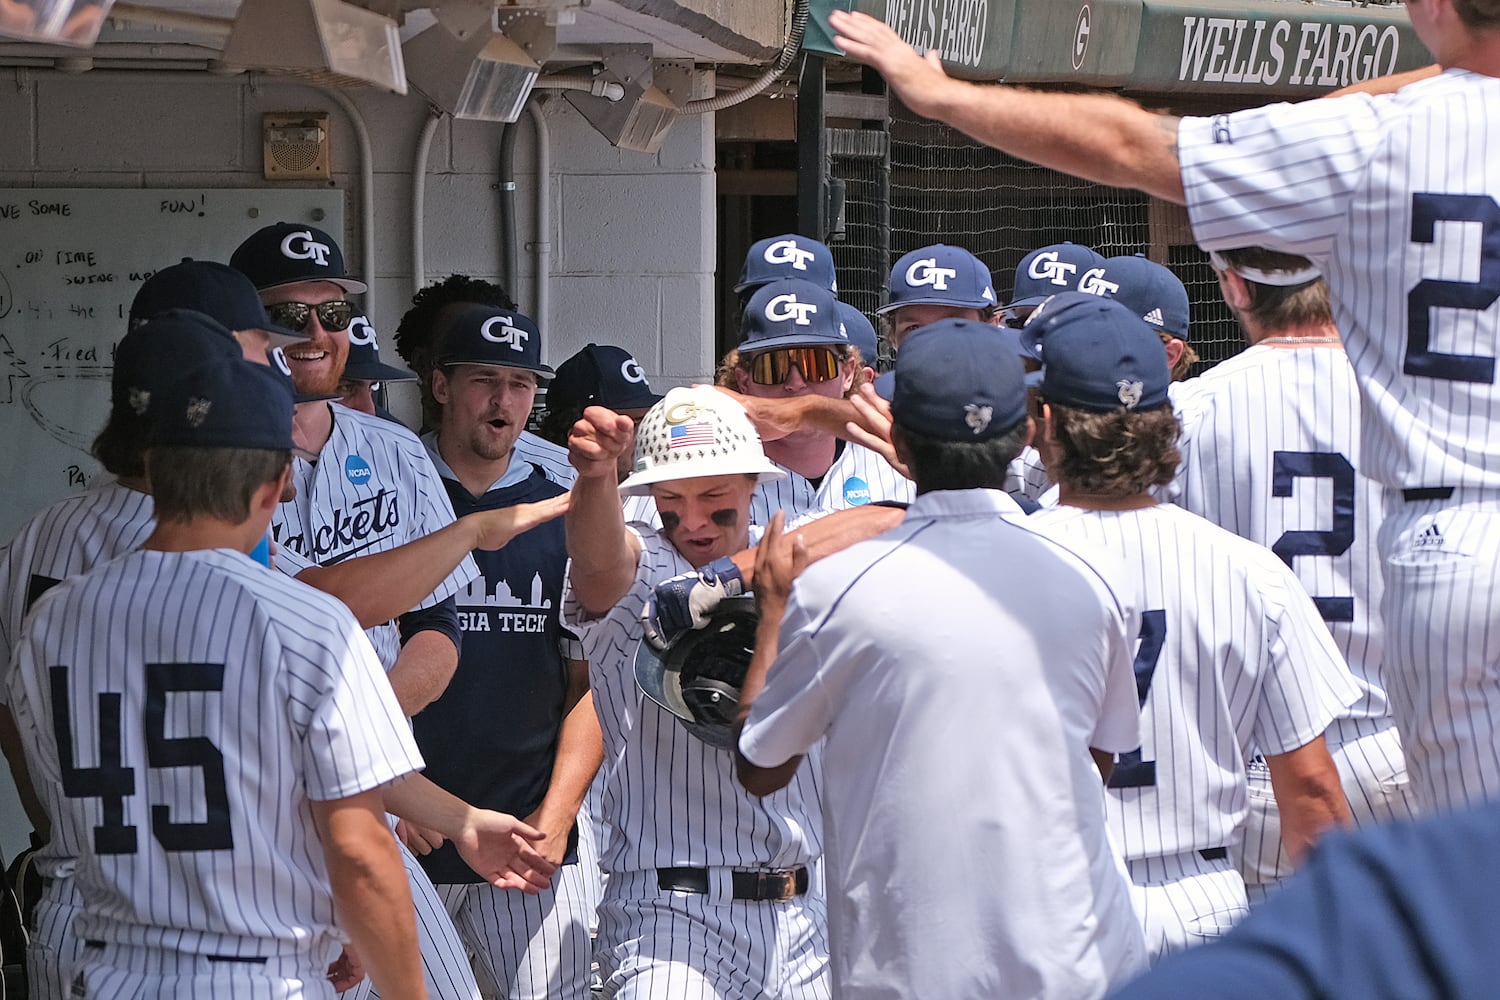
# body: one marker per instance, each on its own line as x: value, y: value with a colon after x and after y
x: 872, y: 429
x: 779, y: 559
x: 597, y: 441
x: 498, y: 527
x: 773, y: 418
x: 505, y: 852
x: 916, y: 78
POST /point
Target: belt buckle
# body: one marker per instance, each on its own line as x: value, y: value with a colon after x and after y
x: 776, y: 886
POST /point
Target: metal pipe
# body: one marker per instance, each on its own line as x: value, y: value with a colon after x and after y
x: 542, y: 303
x: 176, y: 20
x: 510, y: 262
x: 599, y: 87
x: 419, y: 199
x: 760, y: 83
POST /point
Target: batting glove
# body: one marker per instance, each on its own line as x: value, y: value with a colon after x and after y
x: 685, y: 602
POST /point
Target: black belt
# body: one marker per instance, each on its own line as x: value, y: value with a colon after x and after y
x: 782, y: 883
x: 1427, y: 493
x: 1214, y: 853
x: 241, y: 959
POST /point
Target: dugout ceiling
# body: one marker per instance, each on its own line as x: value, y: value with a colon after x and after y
x: 1263, y: 47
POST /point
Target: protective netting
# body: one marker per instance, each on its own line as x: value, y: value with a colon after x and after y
x: 944, y: 187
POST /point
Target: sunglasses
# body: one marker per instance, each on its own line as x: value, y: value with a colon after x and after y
x: 335, y: 315
x: 817, y: 364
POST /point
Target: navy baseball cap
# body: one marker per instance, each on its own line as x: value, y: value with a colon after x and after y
x: 214, y: 289
x: 789, y: 312
x: 225, y: 403
x: 284, y: 252
x: 861, y: 332
x: 1152, y: 292
x: 1049, y: 270
x: 364, y: 356
x: 601, y: 375
x: 489, y: 335
x: 787, y: 256
x: 940, y: 275
x: 1097, y: 355
x: 157, y: 350
x: 958, y: 380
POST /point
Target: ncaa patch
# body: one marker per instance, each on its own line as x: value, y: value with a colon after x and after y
x: 856, y: 492
x: 358, y: 471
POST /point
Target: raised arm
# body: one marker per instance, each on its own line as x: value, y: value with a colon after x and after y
x: 602, y: 554
x: 1099, y: 137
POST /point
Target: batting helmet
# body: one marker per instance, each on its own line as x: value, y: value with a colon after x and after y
x: 698, y: 677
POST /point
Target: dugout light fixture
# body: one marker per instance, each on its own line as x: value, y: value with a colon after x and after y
x: 322, y: 41
x: 63, y: 22
x: 486, y: 77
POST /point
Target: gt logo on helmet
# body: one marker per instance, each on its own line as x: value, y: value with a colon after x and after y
x: 301, y: 246
x: 786, y: 307
x: 926, y: 272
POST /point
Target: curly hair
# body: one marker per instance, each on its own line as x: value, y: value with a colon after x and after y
x: 1184, y: 366
x: 417, y: 333
x: 1118, y: 454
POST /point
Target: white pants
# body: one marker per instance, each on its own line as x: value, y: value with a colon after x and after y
x: 529, y: 947
x: 123, y: 972
x: 657, y: 944
x: 1372, y: 770
x: 445, y: 966
x: 52, y: 950
x: 1442, y: 644
x: 1184, y: 900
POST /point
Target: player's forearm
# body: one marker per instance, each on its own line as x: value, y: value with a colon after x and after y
x: 1309, y: 796
x: 380, y: 586
x: 580, y: 751
x: 756, y: 779
x: 370, y: 892
x: 602, y: 565
x: 830, y: 534
x: 418, y: 800
x: 1388, y: 84
x: 1099, y: 137
x: 422, y: 670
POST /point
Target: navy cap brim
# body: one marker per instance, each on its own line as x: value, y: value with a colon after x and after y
x: 1030, y: 300
x: 926, y: 300
x: 540, y: 371
x: 282, y: 337
x: 885, y: 386
x: 755, y: 347
x: 314, y: 397
x: 353, y: 285
x: 378, y: 371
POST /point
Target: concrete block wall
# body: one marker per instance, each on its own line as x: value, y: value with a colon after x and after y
x: 632, y: 235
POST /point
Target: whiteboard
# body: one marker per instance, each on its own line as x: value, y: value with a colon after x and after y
x: 71, y: 260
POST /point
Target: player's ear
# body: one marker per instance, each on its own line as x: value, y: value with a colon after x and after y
x: 440, y: 385
x: 1030, y: 432
x: 1235, y: 290
x: 1174, y: 348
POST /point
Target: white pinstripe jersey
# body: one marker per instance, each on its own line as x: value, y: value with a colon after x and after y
x: 670, y: 799
x: 372, y: 489
x: 1232, y: 658
x: 183, y: 708
x: 1025, y: 475
x: 1394, y: 197
x: 1273, y: 457
x: 857, y: 476
x: 550, y: 458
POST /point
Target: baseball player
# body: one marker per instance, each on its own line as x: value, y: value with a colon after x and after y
x: 932, y: 283
x: 793, y: 343
x: 417, y: 340
x: 1232, y: 654
x: 707, y: 894
x: 1384, y: 193
x: 371, y: 489
x: 364, y: 372
x: 211, y: 853
x: 516, y: 663
x: 945, y: 761
x: 789, y: 255
x: 1156, y: 295
x: 1274, y: 456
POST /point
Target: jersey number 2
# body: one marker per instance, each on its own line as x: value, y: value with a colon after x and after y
x: 1131, y: 769
x: 1427, y: 210
x: 1286, y: 468
x: 112, y: 780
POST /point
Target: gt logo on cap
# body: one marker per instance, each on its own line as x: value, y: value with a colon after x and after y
x: 1046, y: 267
x: 786, y: 307
x: 631, y: 371
x: 508, y: 334
x: 1093, y: 282
x: 926, y: 272
x: 301, y: 246
x: 361, y: 332
x: 788, y: 252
